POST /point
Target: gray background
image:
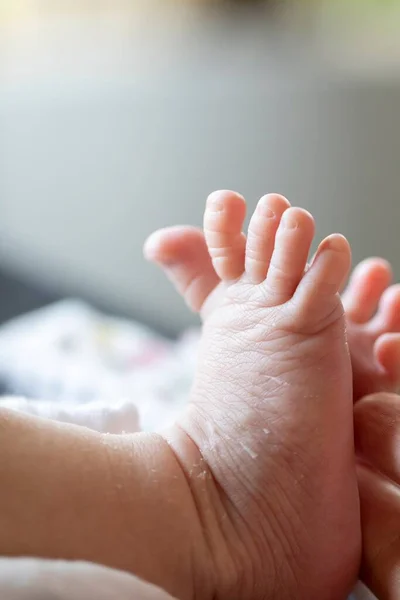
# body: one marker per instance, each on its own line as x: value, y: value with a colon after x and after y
x: 114, y: 124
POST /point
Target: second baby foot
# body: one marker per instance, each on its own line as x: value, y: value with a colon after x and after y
x: 373, y: 326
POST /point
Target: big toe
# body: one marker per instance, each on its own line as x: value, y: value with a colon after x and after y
x: 182, y: 254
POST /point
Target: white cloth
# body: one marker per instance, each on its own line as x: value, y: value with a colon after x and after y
x: 361, y: 593
x: 29, y: 579
x: 70, y: 363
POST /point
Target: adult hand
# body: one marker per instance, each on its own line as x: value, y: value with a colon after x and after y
x: 377, y: 430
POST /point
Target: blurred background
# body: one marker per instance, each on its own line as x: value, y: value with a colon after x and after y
x: 119, y: 116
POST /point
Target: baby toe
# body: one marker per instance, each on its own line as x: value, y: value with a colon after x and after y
x: 387, y: 318
x: 368, y: 282
x: 289, y: 257
x: 317, y: 297
x: 182, y: 254
x: 261, y: 235
x: 223, y: 222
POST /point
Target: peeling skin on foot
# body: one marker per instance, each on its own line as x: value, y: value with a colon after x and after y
x: 199, y: 470
x: 279, y: 381
x: 249, y: 451
x: 210, y: 428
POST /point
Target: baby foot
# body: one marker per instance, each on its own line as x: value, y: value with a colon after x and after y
x: 267, y: 439
x: 374, y: 339
x: 373, y: 326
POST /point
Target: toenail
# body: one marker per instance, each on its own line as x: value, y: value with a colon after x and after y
x: 215, y: 202
x: 264, y: 210
x: 337, y: 243
x: 152, y: 244
x: 289, y: 221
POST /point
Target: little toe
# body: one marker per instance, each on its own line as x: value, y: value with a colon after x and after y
x: 368, y: 282
x: 387, y: 354
x: 223, y: 223
x: 182, y: 254
x: 289, y: 258
x: 317, y: 293
x: 261, y: 235
x: 387, y: 318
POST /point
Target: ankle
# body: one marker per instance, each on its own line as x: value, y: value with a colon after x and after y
x: 227, y: 565
x: 154, y: 502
